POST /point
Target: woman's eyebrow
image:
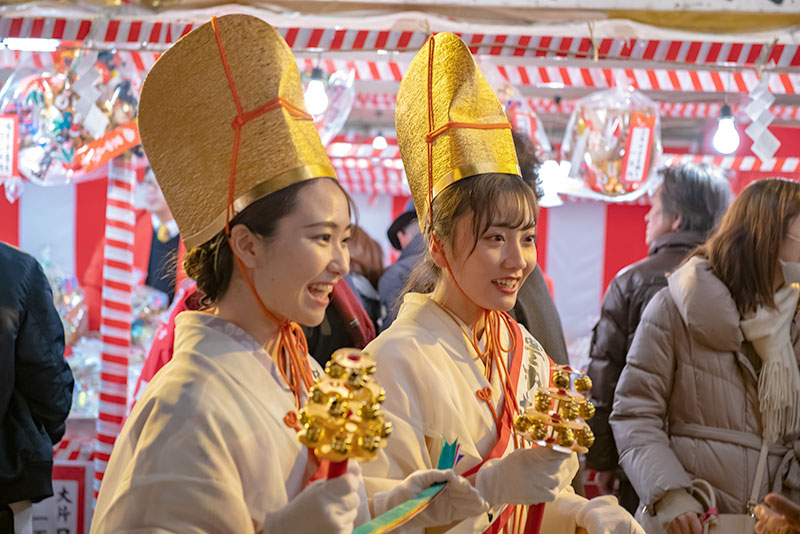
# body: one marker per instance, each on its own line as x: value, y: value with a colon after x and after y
x: 529, y: 226
x: 327, y: 224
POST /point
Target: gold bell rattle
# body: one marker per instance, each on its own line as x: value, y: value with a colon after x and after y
x: 558, y: 416
x: 343, y: 418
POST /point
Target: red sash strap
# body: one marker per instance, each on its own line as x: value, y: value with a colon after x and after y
x: 533, y: 521
x: 507, y: 418
x: 506, y: 427
x: 500, y: 523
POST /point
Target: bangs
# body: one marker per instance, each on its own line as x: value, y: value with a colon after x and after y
x: 503, y: 200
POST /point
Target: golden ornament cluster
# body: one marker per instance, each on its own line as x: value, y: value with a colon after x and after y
x: 343, y: 418
x: 558, y: 416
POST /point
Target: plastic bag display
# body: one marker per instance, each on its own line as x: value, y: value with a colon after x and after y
x: 68, y: 298
x: 70, y: 302
x: 150, y: 310
x: 85, y: 365
x: 523, y: 119
x: 341, y: 97
x: 613, y: 143
x: 83, y: 99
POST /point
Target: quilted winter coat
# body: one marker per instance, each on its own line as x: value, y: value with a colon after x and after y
x: 686, y: 405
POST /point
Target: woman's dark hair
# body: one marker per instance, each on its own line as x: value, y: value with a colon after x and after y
x: 743, y: 252
x: 492, y: 199
x: 698, y: 193
x: 211, y: 264
x: 529, y: 162
x: 366, y: 256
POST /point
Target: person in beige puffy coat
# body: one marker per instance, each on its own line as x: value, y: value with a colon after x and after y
x: 690, y: 403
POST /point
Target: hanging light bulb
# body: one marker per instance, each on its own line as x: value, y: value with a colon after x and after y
x: 379, y: 143
x: 726, y: 138
x: 315, y: 96
x: 551, y: 174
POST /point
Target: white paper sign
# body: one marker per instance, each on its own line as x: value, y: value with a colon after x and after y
x: 8, y: 146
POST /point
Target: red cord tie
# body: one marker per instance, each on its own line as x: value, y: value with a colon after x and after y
x: 291, y: 420
x: 292, y: 341
x: 430, y: 137
x: 711, y: 512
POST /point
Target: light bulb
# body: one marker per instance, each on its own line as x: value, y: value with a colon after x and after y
x: 31, y: 44
x: 551, y: 174
x: 726, y: 138
x: 315, y: 96
x: 379, y: 143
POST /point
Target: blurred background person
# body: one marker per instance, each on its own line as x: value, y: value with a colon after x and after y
x: 711, y: 387
x: 35, y: 388
x: 156, y: 249
x: 366, y: 268
x: 404, y: 235
x: 352, y: 317
x: 535, y: 309
x: 684, y: 209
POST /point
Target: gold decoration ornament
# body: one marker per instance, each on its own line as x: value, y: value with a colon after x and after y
x: 343, y: 418
x: 188, y: 118
x: 557, y: 417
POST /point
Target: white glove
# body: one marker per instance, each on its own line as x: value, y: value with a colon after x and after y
x: 323, y: 506
x: 458, y: 501
x: 601, y: 515
x: 604, y: 515
x: 526, y: 476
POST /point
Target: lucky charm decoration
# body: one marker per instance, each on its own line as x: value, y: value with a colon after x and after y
x: 613, y: 143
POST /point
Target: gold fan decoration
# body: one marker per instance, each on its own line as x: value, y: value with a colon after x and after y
x: 343, y: 418
x: 558, y: 416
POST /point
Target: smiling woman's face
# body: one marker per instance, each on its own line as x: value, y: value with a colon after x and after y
x: 503, y: 257
x: 298, y: 267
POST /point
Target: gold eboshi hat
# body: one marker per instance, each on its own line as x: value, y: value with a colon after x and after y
x: 229, y: 89
x: 450, y: 124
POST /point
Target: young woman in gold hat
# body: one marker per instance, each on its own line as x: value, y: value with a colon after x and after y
x: 211, y: 444
x: 454, y: 364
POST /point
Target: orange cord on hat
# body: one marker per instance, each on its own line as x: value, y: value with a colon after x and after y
x: 291, y: 341
x: 434, y: 132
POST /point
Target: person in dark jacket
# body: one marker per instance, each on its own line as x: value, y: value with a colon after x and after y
x: 535, y: 309
x: 405, y: 236
x: 684, y: 209
x: 35, y: 387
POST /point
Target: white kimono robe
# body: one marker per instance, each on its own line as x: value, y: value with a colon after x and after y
x: 431, y: 374
x: 205, y: 448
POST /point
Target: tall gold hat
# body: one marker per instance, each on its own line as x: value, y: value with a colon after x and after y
x: 234, y: 77
x: 450, y: 124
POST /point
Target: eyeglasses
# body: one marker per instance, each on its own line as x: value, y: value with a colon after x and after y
x: 793, y: 238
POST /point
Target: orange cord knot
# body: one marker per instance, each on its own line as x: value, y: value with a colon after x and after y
x: 238, y: 122
x: 484, y: 394
x: 291, y: 420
